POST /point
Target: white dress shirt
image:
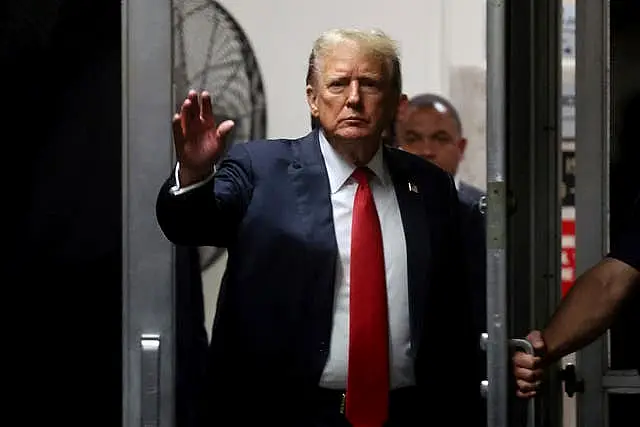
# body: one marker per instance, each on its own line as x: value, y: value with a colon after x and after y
x: 343, y: 192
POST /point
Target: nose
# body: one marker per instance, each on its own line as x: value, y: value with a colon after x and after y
x: 427, y: 152
x: 353, y: 98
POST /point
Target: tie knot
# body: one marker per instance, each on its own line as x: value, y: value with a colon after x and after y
x: 362, y: 175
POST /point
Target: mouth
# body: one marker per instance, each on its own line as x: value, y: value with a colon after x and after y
x: 354, y: 120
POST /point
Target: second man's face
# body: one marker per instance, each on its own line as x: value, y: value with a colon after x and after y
x: 432, y: 135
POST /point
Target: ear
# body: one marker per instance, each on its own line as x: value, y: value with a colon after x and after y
x: 312, y: 98
x: 462, y: 146
x: 403, y: 104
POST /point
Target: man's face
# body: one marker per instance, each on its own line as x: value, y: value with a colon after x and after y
x: 352, y: 95
x: 432, y: 135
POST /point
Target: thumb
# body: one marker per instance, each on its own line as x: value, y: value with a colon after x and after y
x: 535, y: 338
x: 224, y: 128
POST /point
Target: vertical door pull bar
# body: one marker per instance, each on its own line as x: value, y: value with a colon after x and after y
x: 150, y: 381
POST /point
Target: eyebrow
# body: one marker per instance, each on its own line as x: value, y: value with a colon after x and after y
x: 410, y: 132
x: 442, y: 132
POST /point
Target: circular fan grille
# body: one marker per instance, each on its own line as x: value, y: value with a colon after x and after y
x: 211, y: 52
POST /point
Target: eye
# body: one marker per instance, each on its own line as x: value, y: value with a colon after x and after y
x: 442, y: 138
x: 369, y: 84
x: 411, y: 137
x: 337, y: 84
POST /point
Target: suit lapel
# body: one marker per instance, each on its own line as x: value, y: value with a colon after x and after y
x: 310, y: 181
x: 416, y: 230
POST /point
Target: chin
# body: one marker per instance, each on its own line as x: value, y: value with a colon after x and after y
x: 353, y: 133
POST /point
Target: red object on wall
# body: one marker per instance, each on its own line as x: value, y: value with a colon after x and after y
x: 568, y: 248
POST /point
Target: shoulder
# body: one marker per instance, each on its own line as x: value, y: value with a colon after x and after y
x: 415, y: 166
x: 264, y: 150
x: 469, y: 194
x: 435, y: 185
x: 262, y: 146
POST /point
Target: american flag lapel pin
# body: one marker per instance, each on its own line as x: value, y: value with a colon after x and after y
x: 413, y: 188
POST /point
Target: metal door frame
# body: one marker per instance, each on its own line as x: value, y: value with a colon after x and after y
x: 148, y: 396
x: 592, y: 134
x: 593, y: 131
x: 523, y: 174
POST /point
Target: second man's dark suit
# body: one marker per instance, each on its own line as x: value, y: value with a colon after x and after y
x: 474, y: 238
x: 269, y: 204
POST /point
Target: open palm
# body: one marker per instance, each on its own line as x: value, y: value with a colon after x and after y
x: 198, y: 142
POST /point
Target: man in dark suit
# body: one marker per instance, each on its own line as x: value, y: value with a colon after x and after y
x: 343, y: 301
x: 429, y: 126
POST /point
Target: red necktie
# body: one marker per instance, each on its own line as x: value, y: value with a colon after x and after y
x: 368, y: 371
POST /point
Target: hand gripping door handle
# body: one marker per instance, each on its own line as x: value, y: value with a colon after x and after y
x: 524, y: 345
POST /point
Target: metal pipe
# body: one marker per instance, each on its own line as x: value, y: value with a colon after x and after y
x: 497, y: 336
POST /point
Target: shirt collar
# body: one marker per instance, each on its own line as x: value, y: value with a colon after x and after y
x: 339, y: 170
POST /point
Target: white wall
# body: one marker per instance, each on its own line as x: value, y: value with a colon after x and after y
x: 442, y: 46
x: 432, y: 34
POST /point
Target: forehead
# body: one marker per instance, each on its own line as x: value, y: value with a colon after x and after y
x: 430, y: 120
x: 347, y: 57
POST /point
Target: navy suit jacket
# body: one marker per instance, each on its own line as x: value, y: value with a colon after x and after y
x: 473, y: 228
x: 269, y: 205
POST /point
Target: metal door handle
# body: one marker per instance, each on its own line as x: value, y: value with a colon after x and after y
x: 150, y: 381
x: 527, y: 347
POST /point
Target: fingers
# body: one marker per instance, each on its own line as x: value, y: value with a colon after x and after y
x: 194, y: 110
x: 206, y: 109
x: 527, y: 379
x: 527, y: 395
x: 178, y: 132
x: 190, y: 112
x: 526, y: 361
x: 535, y: 338
x: 224, y: 128
x: 185, y: 121
x: 527, y: 368
x: 528, y: 376
x: 526, y: 387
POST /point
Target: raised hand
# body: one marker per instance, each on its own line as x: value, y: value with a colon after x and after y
x: 198, y: 142
x: 528, y: 369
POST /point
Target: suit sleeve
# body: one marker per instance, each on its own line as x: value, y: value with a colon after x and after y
x: 210, y: 214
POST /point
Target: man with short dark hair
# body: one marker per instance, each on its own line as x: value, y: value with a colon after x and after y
x: 429, y: 126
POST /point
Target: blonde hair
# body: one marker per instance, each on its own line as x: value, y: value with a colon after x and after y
x: 374, y: 42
